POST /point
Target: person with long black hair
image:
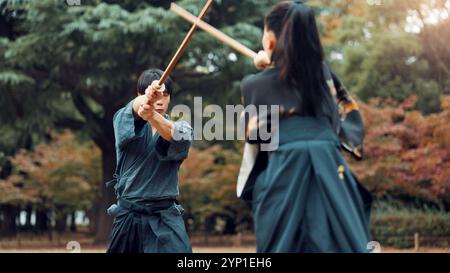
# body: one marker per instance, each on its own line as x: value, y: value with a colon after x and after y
x: 303, y: 196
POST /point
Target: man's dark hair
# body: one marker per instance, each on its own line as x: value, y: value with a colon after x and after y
x: 150, y: 75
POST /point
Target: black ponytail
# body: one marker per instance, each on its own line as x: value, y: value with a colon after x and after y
x: 299, y: 54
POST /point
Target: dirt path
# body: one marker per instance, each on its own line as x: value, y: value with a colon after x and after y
x: 212, y: 250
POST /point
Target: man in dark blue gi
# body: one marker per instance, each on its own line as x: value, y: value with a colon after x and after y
x: 150, y: 149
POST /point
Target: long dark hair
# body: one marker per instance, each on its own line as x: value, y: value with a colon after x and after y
x: 299, y: 54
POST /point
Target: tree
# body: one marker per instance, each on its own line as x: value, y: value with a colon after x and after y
x: 407, y: 153
x: 380, y: 53
x: 208, y: 191
x: 57, y: 178
x: 75, y: 66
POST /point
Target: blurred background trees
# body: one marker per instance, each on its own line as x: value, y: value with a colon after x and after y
x: 72, y: 67
x: 75, y: 66
x: 53, y: 180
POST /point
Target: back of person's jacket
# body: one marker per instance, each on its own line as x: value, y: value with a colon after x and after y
x: 265, y: 88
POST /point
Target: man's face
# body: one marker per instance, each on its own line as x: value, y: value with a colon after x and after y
x: 162, y: 105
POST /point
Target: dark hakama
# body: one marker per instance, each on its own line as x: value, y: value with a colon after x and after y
x: 152, y: 228
x: 303, y: 196
x: 307, y: 200
x: 147, y: 219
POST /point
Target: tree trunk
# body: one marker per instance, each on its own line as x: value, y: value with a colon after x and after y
x: 61, y: 222
x: 102, y: 133
x: 9, y: 227
x: 92, y: 216
x: 103, y: 220
x: 73, y: 224
x: 41, y: 220
x: 29, y: 212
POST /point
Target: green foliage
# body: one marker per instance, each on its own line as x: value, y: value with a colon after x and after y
x: 396, y: 228
x: 388, y: 68
x: 88, y: 57
x: 382, y: 60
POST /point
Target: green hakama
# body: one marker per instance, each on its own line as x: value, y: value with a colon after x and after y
x: 306, y: 199
x: 303, y: 195
x: 147, y: 216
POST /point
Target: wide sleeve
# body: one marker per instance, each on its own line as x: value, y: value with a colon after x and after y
x: 351, y: 133
x: 246, y: 93
x: 126, y: 126
x: 257, y: 119
x: 178, y: 149
x: 250, y: 117
x: 342, y: 92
